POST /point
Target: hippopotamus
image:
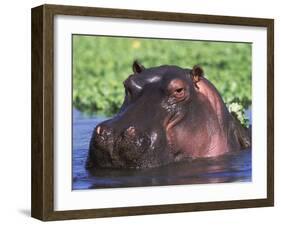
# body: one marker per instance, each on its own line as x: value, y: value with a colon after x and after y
x: 169, y: 114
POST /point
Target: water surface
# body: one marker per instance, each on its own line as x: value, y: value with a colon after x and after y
x: 232, y: 168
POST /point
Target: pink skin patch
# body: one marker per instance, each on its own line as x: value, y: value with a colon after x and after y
x: 210, y: 139
x: 218, y: 143
x: 209, y: 91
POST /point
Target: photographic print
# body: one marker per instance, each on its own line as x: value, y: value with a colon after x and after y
x: 146, y: 112
x: 153, y: 112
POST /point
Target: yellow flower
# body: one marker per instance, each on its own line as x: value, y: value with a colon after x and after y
x: 136, y: 44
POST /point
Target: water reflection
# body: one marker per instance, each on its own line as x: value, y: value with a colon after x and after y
x: 229, y: 168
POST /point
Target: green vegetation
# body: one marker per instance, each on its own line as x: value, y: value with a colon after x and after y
x: 100, y: 64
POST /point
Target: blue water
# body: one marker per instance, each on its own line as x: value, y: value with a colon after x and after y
x: 231, y: 168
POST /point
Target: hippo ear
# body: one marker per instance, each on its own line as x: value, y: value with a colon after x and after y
x: 196, y: 74
x: 137, y: 67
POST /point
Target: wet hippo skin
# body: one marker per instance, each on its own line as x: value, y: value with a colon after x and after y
x: 169, y: 114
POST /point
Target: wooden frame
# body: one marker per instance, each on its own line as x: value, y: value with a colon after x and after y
x: 43, y: 120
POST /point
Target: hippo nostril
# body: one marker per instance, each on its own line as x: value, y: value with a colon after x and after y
x: 131, y: 131
x: 98, y: 130
x: 103, y: 131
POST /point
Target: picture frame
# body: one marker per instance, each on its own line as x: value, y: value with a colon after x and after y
x: 43, y: 108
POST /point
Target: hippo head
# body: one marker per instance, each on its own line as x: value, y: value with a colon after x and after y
x: 155, y: 100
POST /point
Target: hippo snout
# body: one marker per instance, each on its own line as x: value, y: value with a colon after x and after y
x: 131, y: 144
x: 102, y: 147
x: 113, y: 149
x: 103, y: 136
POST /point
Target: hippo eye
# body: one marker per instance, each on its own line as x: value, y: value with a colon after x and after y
x: 179, y: 93
x: 179, y: 90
